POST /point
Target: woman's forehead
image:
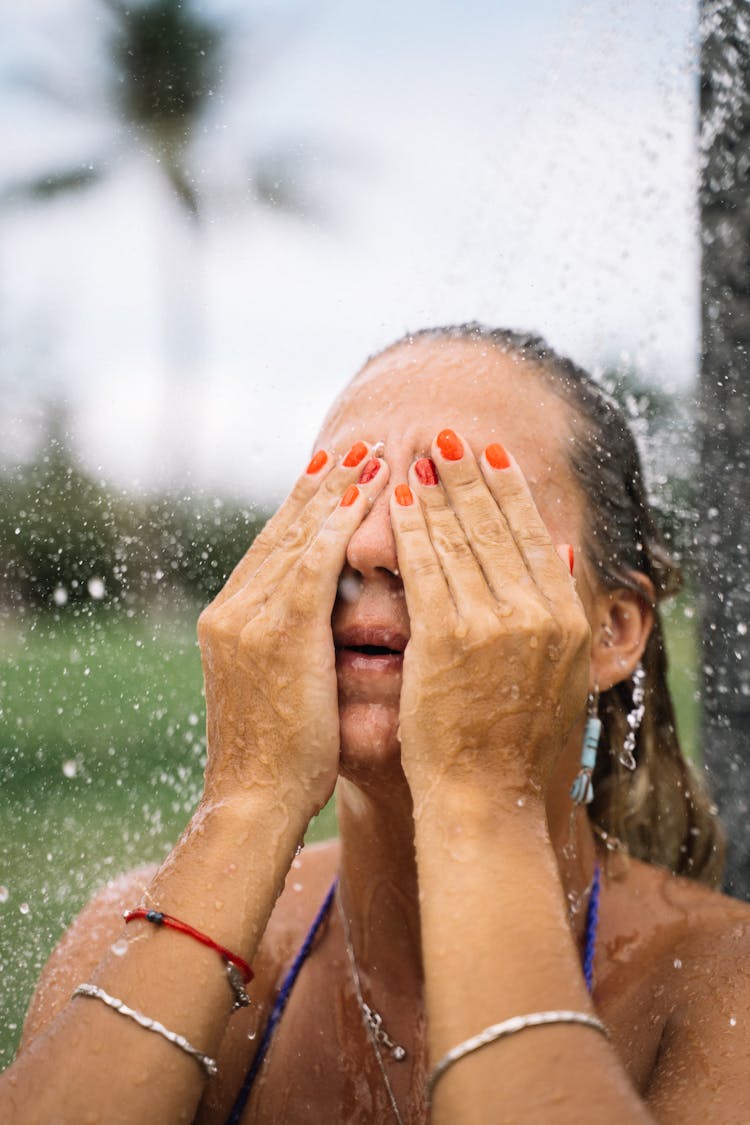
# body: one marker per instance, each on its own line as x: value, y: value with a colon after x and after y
x: 405, y: 396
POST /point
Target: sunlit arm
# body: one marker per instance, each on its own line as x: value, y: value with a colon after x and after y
x: 497, y: 944
x: 91, y: 1064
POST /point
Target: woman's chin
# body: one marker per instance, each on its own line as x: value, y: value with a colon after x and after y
x: 369, y: 738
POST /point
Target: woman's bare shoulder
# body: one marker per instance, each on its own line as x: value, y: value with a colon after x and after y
x: 310, y: 877
x: 685, y: 900
x: 82, y: 947
x: 700, y: 990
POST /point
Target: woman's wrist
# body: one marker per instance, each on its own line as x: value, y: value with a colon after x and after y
x: 284, y: 814
x: 479, y: 805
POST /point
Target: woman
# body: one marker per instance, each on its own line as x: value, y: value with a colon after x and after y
x: 463, y: 577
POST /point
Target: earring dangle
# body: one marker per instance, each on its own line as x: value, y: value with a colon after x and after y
x: 582, y: 789
x: 634, y: 718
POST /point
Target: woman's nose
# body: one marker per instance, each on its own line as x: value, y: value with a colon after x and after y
x: 372, y: 547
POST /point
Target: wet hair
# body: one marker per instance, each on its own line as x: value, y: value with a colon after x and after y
x: 661, y: 811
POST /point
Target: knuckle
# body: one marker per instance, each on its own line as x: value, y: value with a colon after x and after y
x: 487, y: 531
x: 536, y: 543
x: 449, y: 540
x: 468, y: 486
x: 333, y: 485
x: 303, y: 489
x: 220, y: 632
x: 203, y: 628
x: 424, y: 566
x: 296, y: 535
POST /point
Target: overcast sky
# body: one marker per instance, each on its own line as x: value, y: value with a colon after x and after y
x: 529, y: 165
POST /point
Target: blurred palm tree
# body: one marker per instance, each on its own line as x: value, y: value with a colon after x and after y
x: 164, y: 62
x: 163, y: 66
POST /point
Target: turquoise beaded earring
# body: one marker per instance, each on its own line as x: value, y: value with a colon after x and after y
x: 582, y: 789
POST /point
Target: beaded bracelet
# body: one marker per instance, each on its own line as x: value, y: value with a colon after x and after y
x: 239, y: 972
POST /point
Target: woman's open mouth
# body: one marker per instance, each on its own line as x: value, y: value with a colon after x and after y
x: 369, y: 650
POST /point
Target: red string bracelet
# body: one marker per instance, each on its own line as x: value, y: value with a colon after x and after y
x: 171, y: 923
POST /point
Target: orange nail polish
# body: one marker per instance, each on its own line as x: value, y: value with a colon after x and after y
x: 403, y: 495
x: 566, y: 553
x: 371, y: 469
x: 426, y: 470
x: 317, y: 462
x: 349, y: 496
x: 357, y: 453
x: 450, y: 445
x: 496, y: 456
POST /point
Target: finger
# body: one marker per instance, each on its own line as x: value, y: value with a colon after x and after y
x: 483, y: 522
x: 311, y: 585
x: 288, y: 534
x: 285, y: 570
x: 466, y: 580
x: 508, y: 485
x: 425, y: 585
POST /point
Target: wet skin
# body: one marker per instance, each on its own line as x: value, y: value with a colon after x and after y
x: 670, y: 958
x: 649, y: 919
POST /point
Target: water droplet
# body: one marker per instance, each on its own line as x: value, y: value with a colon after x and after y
x: 24, y: 908
x: 296, y: 886
x: 349, y: 588
x: 96, y: 588
x: 742, y: 628
x: 119, y: 947
x: 60, y: 595
x: 4, y: 895
x: 192, y: 719
x: 732, y: 1021
x: 520, y: 802
x: 677, y: 963
x: 70, y: 768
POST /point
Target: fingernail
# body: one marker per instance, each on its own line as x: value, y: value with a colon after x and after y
x: 370, y: 470
x: 403, y: 495
x: 317, y: 462
x: 496, y: 456
x: 450, y: 445
x: 357, y: 453
x: 426, y: 470
x: 349, y: 496
x: 567, y: 554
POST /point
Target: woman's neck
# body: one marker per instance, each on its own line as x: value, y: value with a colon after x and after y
x: 378, y: 882
x: 379, y: 886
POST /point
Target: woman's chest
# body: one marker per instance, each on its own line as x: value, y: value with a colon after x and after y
x: 321, y: 1063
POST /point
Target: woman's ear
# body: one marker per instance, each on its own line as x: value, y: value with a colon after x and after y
x: 623, y: 621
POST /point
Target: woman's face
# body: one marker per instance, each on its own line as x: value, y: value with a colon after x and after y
x: 403, y: 399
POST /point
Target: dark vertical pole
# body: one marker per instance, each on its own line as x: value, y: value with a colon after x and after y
x: 724, y: 420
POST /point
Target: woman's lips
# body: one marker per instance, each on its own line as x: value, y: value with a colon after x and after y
x: 370, y: 650
x: 352, y: 661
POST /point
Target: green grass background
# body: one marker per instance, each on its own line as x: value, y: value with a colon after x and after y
x: 101, y: 755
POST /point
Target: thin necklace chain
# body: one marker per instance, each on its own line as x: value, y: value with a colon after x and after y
x: 372, y: 1019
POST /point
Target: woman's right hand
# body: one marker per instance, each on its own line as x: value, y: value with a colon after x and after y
x: 267, y: 647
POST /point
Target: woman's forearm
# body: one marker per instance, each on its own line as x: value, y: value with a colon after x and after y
x: 497, y: 944
x: 94, y: 1064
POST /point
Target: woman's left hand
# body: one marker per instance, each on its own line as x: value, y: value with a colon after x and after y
x: 496, y: 668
